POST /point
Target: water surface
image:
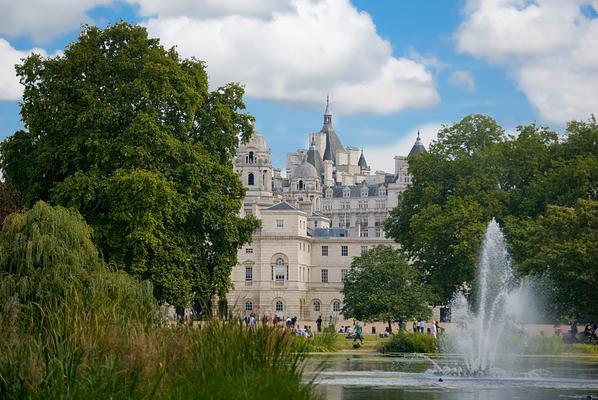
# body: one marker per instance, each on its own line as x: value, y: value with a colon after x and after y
x: 377, y: 377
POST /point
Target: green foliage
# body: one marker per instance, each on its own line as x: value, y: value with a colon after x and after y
x: 10, y: 200
x: 70, y: 328
x: 321, y: 342
x: 562, y: 243
x: 582, y: 348
x: 128, y: 134
x: 405, y: 342
x: 472, y: 173
x: 382, y: 285
x: 552, y: 345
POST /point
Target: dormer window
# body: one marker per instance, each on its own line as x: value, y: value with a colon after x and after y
x: 328, y: 192
x: 250, y: 158
x: 346, y: 192
x: 381, y: 191
x: 364, y: 192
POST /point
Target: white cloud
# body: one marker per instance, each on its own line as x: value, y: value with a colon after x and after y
x: 10, y: 88
x: 463, y: 79
x: 211, y: 8
x: 382, y: 157
x: 548, y: 46
x: 43, y: 20
x: 299, y: 52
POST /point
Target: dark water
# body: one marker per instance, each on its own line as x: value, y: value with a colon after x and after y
x: 372, y: 377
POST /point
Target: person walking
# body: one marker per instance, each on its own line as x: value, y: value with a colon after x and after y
x: 358, y: 333
x: 319, y: 324
x: 433, y: 329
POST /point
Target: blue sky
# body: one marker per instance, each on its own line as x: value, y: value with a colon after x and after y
x: 391, y: 67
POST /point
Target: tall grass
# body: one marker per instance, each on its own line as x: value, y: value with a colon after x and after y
x: 71, y: 329
x: 321, y: 342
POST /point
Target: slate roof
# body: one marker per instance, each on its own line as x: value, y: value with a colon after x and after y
x: 418, y: 147
x: 337, y: 191
x: 282, y: 206
x: 362, y: 163
x: 330, y: 232
x: 314, y: 158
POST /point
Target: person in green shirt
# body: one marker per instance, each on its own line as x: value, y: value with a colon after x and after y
x: 357, y: 333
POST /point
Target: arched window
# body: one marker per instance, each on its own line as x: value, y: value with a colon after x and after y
x: 279, y: 305
x: 250, y: 158
x: 279, y: 269
x: 301, y: 186
x: 336, y: 306
x: 248, y: 305
x: 317, y: 306
x: 250, y: 180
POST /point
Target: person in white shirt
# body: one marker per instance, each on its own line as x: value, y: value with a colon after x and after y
x: 433, y: 329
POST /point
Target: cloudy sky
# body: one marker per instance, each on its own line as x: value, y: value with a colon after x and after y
x: 390, y: 67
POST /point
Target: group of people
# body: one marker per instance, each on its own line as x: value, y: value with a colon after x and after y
x: 431, y: 329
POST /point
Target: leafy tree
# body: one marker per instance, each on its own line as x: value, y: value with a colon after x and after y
x: 473, y: 173
x: 441, y: 218
x: 382, y: 285
x: 127, y: 133
x: 10, y: 200
x: 562, y: 243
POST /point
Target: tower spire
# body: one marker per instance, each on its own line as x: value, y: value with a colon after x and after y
x: 327, y: 113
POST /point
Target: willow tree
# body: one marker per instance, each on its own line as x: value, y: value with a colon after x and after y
x: 128, y: 133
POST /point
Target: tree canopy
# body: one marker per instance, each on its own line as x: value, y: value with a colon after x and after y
x: 382, y: 285
x: 474, y: 172
x: 10, y: 200
x: 128, y: 133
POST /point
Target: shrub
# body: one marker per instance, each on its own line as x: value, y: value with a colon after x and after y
x: 544, y: 345
x: 405, y: 342
x: 582, y: 348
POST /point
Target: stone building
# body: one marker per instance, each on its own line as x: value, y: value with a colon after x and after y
x: 328, y: 209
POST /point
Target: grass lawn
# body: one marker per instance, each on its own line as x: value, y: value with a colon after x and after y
x: 370, y: 342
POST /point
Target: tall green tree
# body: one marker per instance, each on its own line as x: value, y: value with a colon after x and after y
x: 441, y: 218
x: 475, y: 172
x: 128, y: 133
x: 382, y: 285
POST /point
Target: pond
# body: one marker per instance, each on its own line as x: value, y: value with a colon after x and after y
x: 376, y: 377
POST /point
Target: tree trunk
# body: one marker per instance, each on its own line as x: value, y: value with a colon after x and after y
x: 389, y: 327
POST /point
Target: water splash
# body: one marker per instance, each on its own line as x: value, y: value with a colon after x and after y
x: 500, y: 302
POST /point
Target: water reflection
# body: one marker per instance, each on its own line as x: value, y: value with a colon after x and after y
x: 377, y: 377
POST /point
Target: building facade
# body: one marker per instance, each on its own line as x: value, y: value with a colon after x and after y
x: 328, y: 209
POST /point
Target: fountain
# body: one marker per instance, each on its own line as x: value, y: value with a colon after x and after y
x: 473, y: 364
x: 501, y: 301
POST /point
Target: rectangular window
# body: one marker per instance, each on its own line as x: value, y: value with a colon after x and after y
x: 363, y: 233
x: 249, y: 250
x: 279, y: 223
x: 378, y: 232
x: 248, y: 273
x: 364, y: 249
x: 324, y: 251
x: 343, y: 274
x: 324, y: 276
x: 344, y: 251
